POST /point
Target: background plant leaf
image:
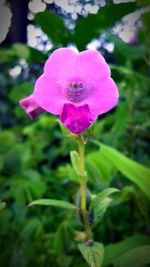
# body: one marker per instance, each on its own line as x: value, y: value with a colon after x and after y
x: 114, y: 251
x: 2, y: 205
x: 134, y: 171
x: 137, y: 257
x: 53, y: 26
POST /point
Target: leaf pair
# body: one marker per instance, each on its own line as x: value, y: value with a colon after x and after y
x: 98, y: 205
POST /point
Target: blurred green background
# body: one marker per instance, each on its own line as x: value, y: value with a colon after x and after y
x: 34, y: 155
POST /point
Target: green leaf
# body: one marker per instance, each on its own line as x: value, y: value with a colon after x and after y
x: 12, y: 160
x: 6, y: 55
x: 63, y: 239
x: 92, y: 254
x: 130, y: 72
x: 145, y: 31
x: 19, y: 50
x: 53, y: 202
x: 135, y: 172
x: 37, y: 56
x: 30, y: 54
x: 99, y: 198
x: 114, y: 251
x: 33, y: 227
x: 74, y: 156
x: 1, y: 162
x: 137, y: 257
x: 100, y: 210
x: 20, y: 90
x: 100, y: 203
x: 7, y: 140
x: 90, y: 27
x: 5, y: 221
x: 2, y: 205
x: 53, y: 26
x: 98, y: 168
x: 143, y: 3
x: 121, y: 117
x: 125, y: 50
x: 27, y: 186
x: 64, y: 259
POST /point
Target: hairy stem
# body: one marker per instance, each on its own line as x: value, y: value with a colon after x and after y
x: 83, y: 189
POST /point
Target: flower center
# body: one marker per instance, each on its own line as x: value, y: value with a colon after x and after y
x: 76, y: 92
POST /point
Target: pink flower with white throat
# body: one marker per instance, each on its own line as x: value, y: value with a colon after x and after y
x: 76, y: 86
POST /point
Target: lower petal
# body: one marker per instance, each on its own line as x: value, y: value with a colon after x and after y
x: 31, y: 107
x: 76, y: 119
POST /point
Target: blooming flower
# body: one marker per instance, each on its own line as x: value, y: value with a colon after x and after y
x: 76, y: 86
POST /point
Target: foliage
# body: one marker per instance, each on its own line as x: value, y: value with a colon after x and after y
x: 34, y: 158
x: 93, y: 254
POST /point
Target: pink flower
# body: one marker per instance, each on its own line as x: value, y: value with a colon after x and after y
x: 76, y: 86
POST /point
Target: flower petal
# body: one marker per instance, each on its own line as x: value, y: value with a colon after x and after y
x: 91, y: 66
x: 104, y: 98
x: 31, y: 107
x: 76, y: 119
x: 48, y: 95
x: 61, y: 65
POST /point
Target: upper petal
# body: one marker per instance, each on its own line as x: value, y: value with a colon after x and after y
x: 61, y: 65
x: 104, y: 97
x: 92, y: 67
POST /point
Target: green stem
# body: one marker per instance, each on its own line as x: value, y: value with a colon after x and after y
x: 83, y: 189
